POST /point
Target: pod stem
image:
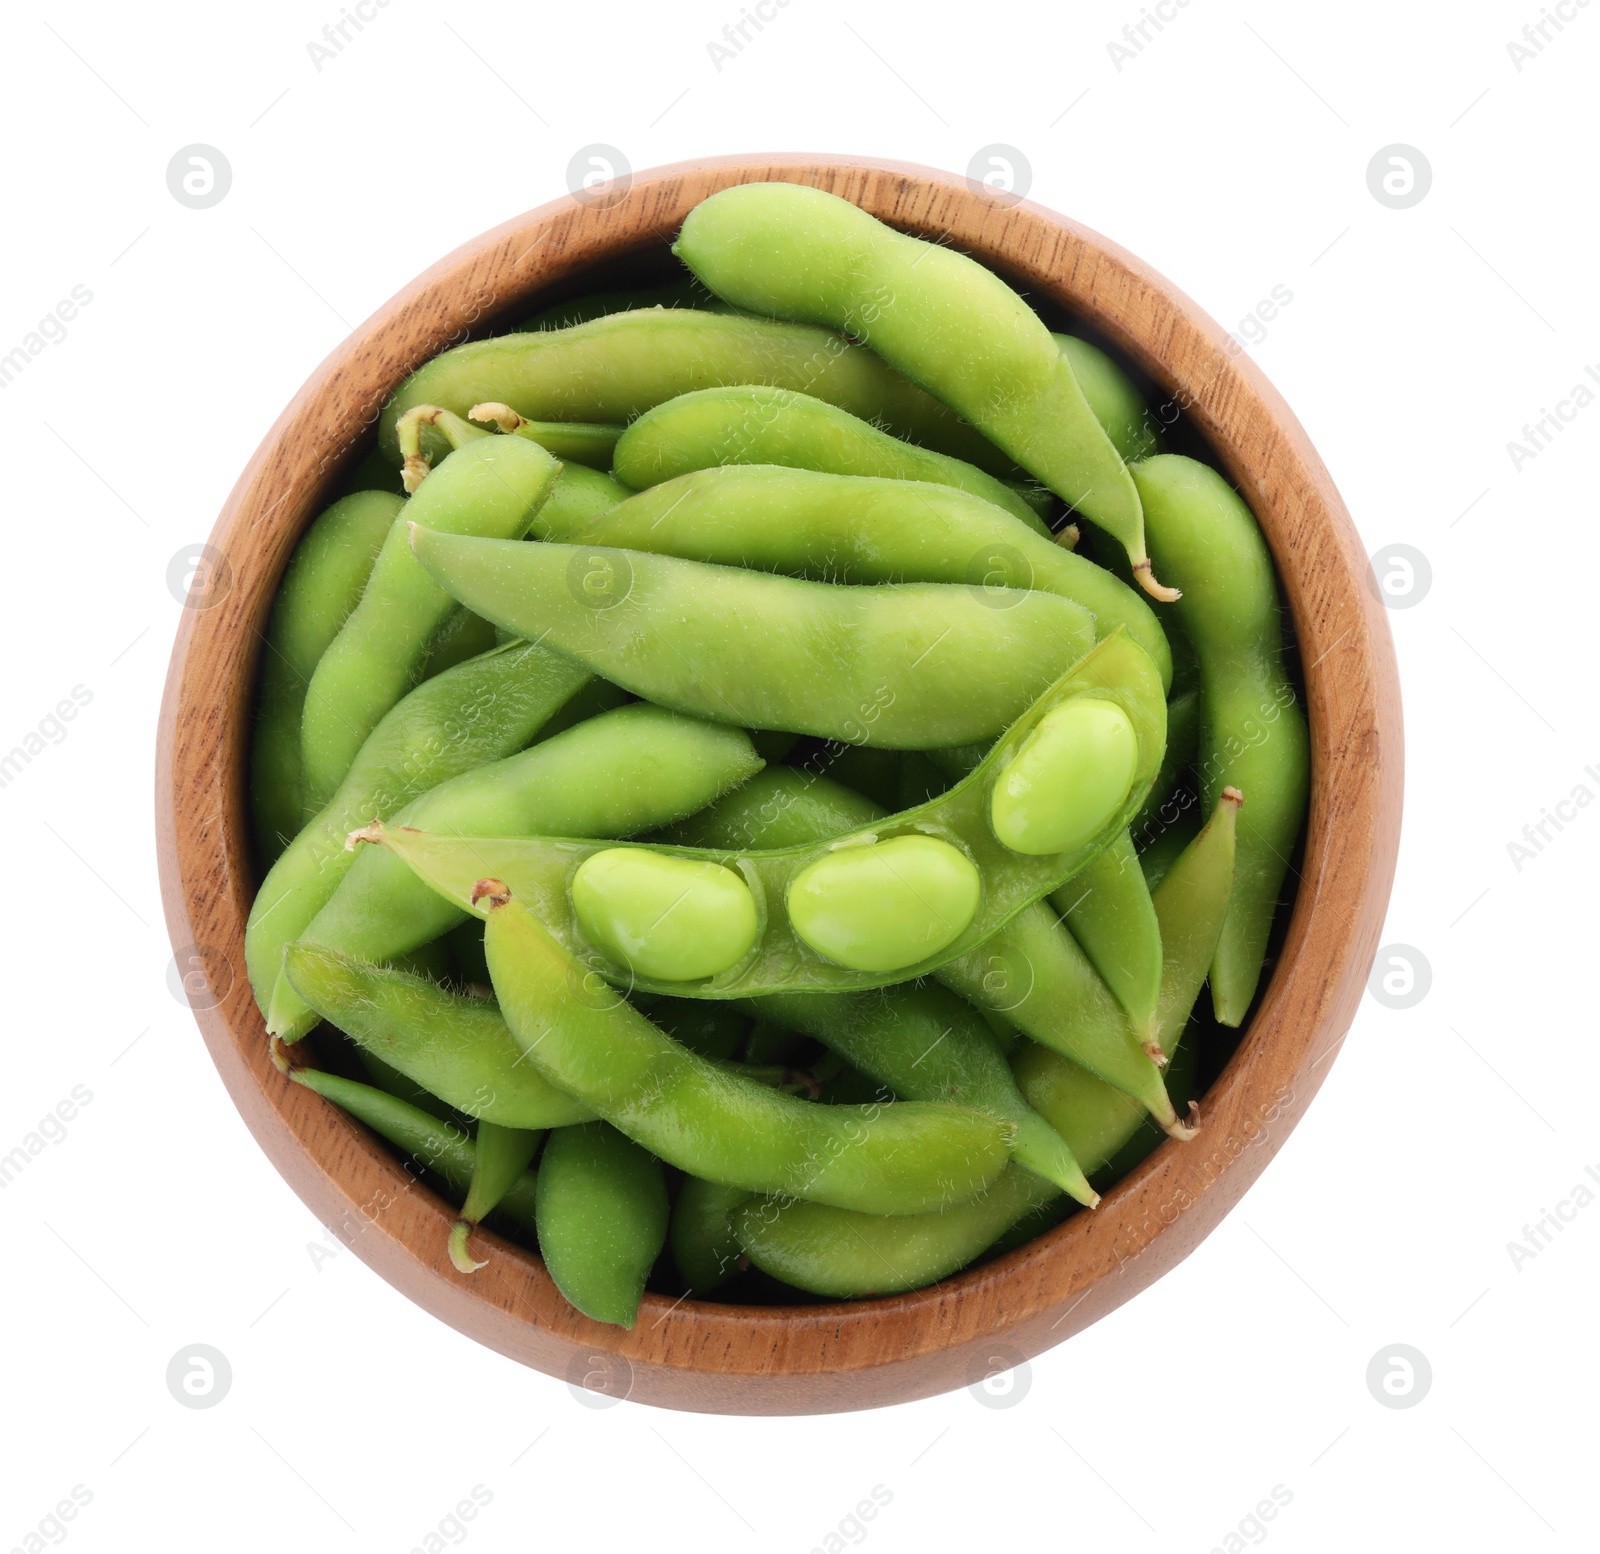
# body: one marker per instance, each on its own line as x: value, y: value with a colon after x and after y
x: 497, y: 414
x: 460, y: 1254
x: 1183, y: 1131
x: 1068, y: 536
x: 1147, y: 581
x: 408, y: 432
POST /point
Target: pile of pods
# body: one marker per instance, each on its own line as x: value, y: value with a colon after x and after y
x: 743, y: 848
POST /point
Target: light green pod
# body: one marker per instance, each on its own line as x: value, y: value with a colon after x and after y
x: 463, y: 636
x: 456, y: 1048
x: 322, y: 585
x: 774, y: 426
x: 479, y: 711
x: 948, y: 323
x: 499, y: 1158
x: 704, y: 1246
x: 490, y: 487
x: 781, y: 806
x: 1068, y: 778
x: 909, y: 666
x: 668, y: 918
x: 858, y: 529
x: 883, y: 906
x: 603, y: 1219
x: 1113, y: 396
x: 614, y: 368
x: 1108, y: 909
x: 625, y: 771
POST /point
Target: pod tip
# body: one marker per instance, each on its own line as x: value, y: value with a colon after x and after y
x: 1184, y: 1130
x: 280, y: 1055
x: 497, y: 414
x: 496, y: 892
x: 1232, y: 796
x: 371, y: 832
x: 1147, y: 581
x: 460, y: 1255
x: 1153, y: 1051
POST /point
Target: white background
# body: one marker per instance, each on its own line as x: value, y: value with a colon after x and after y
x: 1232, y: 154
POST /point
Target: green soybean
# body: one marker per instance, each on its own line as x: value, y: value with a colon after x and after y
x: 625, y: 771
x: 499, y: 1158
x: 492, y: 487
x: 909, y: 666
x: 857, y: 529
x: 614, y: 368
x: 1066, y: 778
x: 321, y: 587
x: 1253, y: 732
x: 723, y: 1127
x: 603, y: 1218
x: 479, y: 711
x: 775, y: 426
x: 438, y: 1146
x: 883, y: 906
x: 668, y: 918
x: 941, y: 318
x: 454, y: 1047
x: 540, y: 868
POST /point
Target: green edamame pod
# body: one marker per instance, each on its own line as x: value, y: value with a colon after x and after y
x: 704, y: 1246
x: 1191, y: 904
x: 602, y: 1219
x: 463, y: 636
x: 846, y: 1254
x: 941, y: 318
x: 927, y: 1045
x: 579, y: 310
x: 1253, y: 734
x: 716, y: 1125
x: 713, y: 1030
x: 490, y: 487
x: 623, y: 772
x: 1108, y: 909
x: 581, y: 494
x: 499, y: 1157
x: 456, y: 1048
x: 324, y: 580
x: 774, y: 426
x: 479, y: 711
x: 438, y: 1146
x: 915, y: 889
x: 1183, y: 736
x: 1117, y: 403
x: 908, y: 666
x: 856, y: 529
x: 781, y: 806
x: 614, y: 368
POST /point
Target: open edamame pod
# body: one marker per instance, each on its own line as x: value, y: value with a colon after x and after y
x: 908, y: 666
x: 848, y: 528
x: 490, y: 487
x: 881, y: 905
x: 322, y: 585
x: 438, y: 1146
x: 1253, y: 732
x: 777, y: 426
x: 479, y: 711
x: 942, y: 319
x: 499, y: 1157
x: 603, y: 1219
x: 588, y: 1041
x: 617, y: 774
x: 1191, y: 903
x: 614, y: 368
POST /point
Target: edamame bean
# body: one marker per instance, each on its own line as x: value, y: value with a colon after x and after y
x: 324, y: 580
x: 668, y: 918
x: 540, y: 868
x: 479, y: 711
x: 720, y: 1126
x: 1066, y: 779
x: 612, y: 369
x: 1253, y: 732
x: 942, y: 319
x: 855, y: 529
x: 490, y: 487
x: 602, y: 1219
x: 623, y: 772
x: 907, y: 666
x: 775, y: 426
x: 438, y: 1146
x: 1191, y: 904
x: 883, y: 906
x: 499, y: 1157
x: 704, y: 1246
x: 455, y: 1048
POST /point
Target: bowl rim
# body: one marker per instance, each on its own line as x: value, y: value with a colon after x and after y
x: 705, y: 1355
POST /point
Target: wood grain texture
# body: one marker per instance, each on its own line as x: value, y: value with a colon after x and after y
x: 861, y: 1354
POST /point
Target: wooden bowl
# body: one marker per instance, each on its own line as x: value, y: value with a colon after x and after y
x: 817, y: 1358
